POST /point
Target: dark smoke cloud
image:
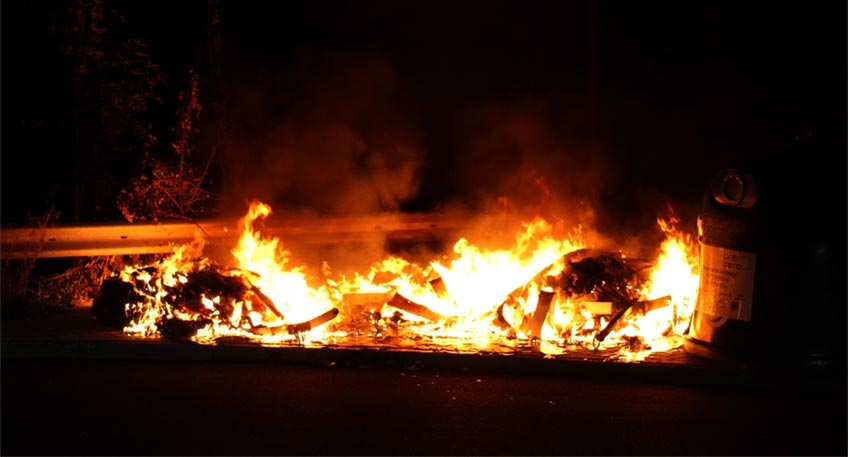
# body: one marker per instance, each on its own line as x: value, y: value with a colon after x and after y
x: 523, y: 159
x: 339, y: 144
x: 516, y: 152
x: 341, y: 135
x: 328, y: 136
x: 534, y: 157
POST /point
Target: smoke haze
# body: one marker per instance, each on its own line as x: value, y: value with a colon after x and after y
x: 339, y: 143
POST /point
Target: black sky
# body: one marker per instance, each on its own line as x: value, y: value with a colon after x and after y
x: 624, y: 105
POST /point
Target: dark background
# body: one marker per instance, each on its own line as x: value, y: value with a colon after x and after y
x: 619, y: 107
x: 603, y: 111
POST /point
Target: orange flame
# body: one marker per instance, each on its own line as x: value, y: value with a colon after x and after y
x: 474, y: 297
x: 268, y: 260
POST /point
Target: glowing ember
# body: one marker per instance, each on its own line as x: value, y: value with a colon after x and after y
x: 542, y: 289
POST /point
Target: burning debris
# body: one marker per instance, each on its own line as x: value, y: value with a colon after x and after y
x: 547, y: 290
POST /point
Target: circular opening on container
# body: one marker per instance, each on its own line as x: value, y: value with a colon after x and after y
x: 733, y: 189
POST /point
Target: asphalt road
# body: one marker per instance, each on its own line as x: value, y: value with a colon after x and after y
x: 89, y: 407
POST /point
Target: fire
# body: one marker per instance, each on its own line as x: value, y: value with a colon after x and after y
x: 152, y: 282
x: 676, y: 275
x: 269, y: 261
x: 479, y: 280
x: 542, y: 290
x: 263, y: 297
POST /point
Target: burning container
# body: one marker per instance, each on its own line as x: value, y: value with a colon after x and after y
x: 723, y: 324
x: 772, y: 242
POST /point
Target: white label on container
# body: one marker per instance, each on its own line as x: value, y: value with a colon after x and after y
x: 727, y: 282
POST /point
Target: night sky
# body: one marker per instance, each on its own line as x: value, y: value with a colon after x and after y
x: 351, y: 107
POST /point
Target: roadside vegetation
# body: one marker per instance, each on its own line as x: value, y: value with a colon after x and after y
x: 134, y: 152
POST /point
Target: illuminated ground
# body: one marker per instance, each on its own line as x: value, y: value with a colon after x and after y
x: 71, y: 387
x: 87, y: 407
x: 73, y: 333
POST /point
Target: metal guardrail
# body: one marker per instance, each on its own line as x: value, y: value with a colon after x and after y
x: 158, y: 238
